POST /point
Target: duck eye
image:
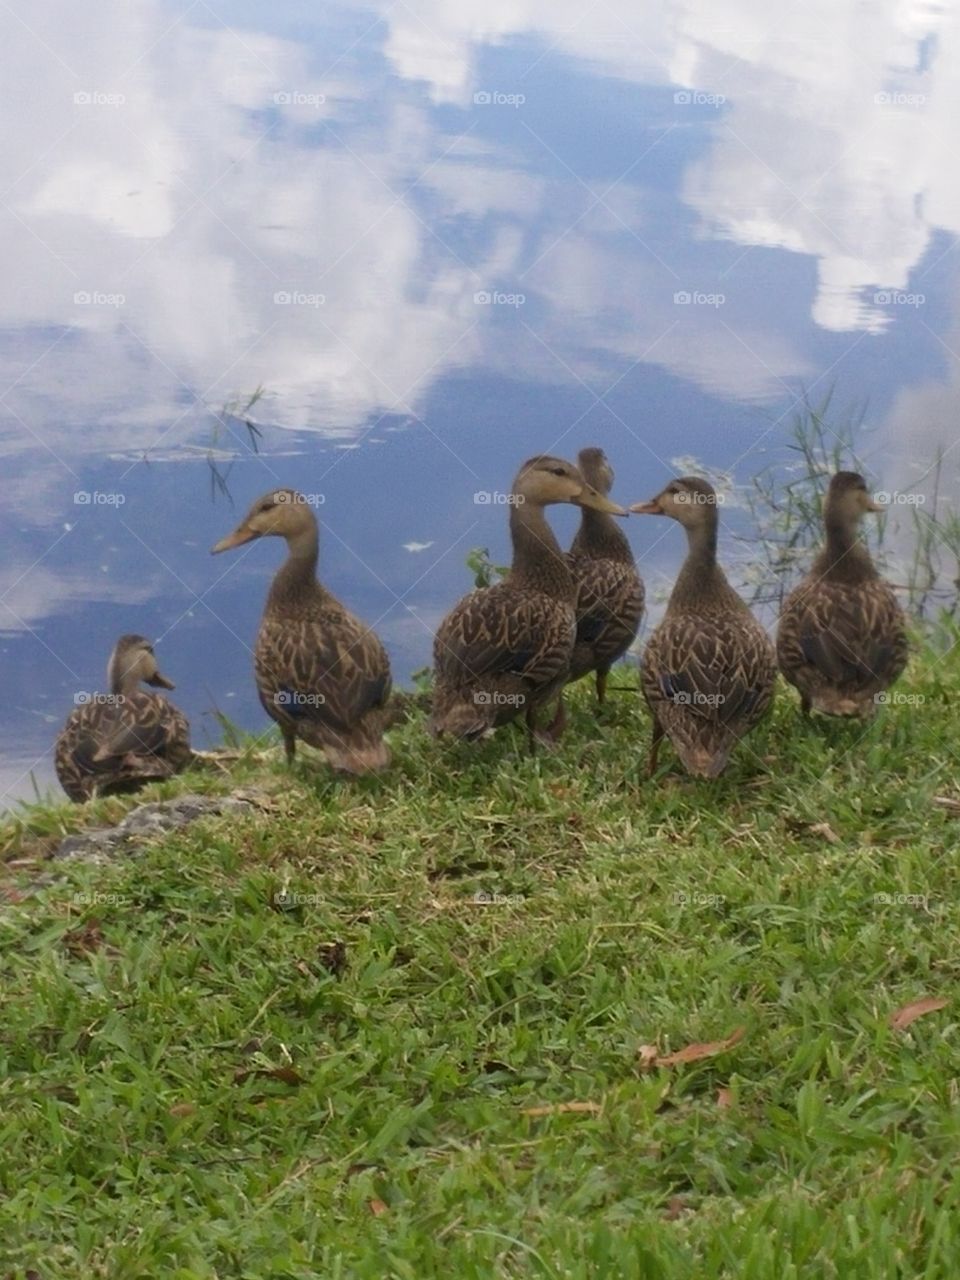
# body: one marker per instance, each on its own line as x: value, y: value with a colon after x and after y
x: 558, y: 471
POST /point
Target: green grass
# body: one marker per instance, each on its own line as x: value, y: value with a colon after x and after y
x: 146, y: 1002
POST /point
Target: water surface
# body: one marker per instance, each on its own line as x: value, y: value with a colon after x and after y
x: 435, y: 238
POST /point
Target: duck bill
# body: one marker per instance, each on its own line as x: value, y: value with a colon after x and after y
x: 160, y: 682
x: 235, y: 539
x: 592, y: 498
x: 651, y: 508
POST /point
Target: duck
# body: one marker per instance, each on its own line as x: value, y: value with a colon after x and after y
x: 119, y: 741
x: 610, y: 591
x: 709, y: 667
x: 842, y: 638
x: 505, y: 650
x: 321, y: 673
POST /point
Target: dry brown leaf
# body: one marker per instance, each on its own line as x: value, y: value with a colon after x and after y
x: 825, y: 830
x: 724, y: 1099
x: 376, y: 1207
x: 286, y: 1075
x: 647, y: 1057
x: 87, y: 937
x: 694, y: 1052
x: 182, y: 1109
x: 560, y: 1108
x: 675, y: 1208
x: 911, y: 1012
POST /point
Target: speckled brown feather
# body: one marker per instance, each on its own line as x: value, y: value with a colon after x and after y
x: 709, y: 668
x: 499, y: 652
x: 321, y: 674
x: 610, y: 593
x: 842, y: 638
x: 506, y: 650
x: 842, y: 644
x: 148, y: 736
x: 708, y: 678
x: 325, y: 678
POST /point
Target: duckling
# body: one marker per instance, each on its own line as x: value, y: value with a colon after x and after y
x: 842, y: 639
x: 321, y: 674
x: 119, y: 741
x: 506, y: 649
x: 610, y: 592
x: 709, y: 668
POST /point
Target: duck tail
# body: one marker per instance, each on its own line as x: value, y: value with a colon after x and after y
x: 703, y: 763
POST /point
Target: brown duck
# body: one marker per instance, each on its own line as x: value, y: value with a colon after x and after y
x: 609, y: 590
x: 506, y: 650
x: 321, y: 674
x: 709, y: 668
x: 119, y: 741
x: 842, y: 638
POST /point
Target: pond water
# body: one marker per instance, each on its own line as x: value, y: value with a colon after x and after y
x: 428, y: 240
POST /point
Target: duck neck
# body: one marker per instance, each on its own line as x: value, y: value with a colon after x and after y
x: 701, y: 580
x: 845, y: 557
x: 600, y: 537
x: 298, y: 573
x: 538, y: 561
